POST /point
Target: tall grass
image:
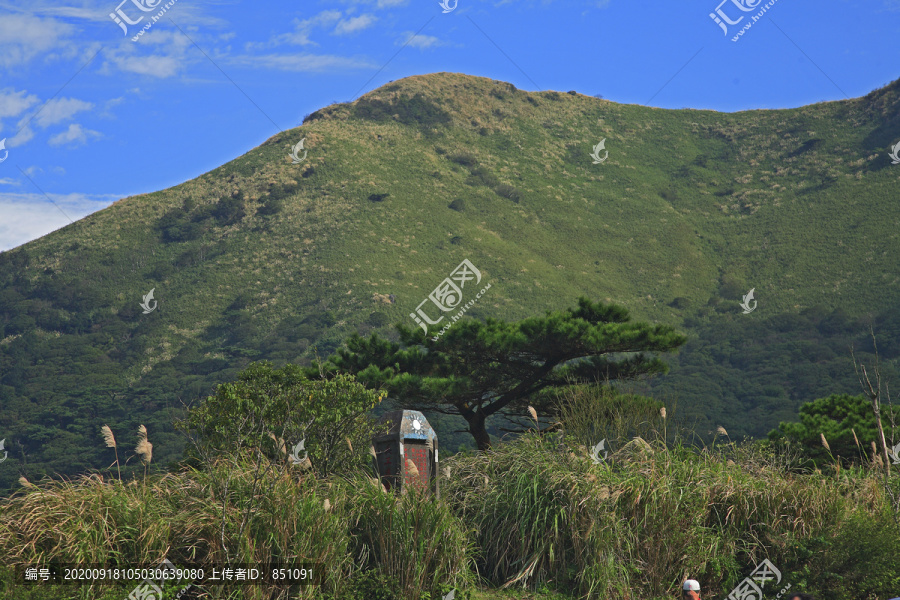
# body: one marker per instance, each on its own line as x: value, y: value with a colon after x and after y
x: 639, y: 523
x: 412, y: 538
x: 344, y: 526
x: 533, y: 511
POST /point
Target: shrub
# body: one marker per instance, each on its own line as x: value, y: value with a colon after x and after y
x: 270, y: 410
x: 458, y: 205
x: 229, y: 211
x: 378, y: 319
x: 314, y: 116
x: 373, y: 585
x: 464, y: 158
x: 680, y: 303
x: 509, y: 192
x: 378, y: 197
x: 271, y: 206
x: 481, y: 176
x: 838, y: 417
x: 416, y: 110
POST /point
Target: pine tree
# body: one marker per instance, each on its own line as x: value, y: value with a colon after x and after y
x: 480, y: 368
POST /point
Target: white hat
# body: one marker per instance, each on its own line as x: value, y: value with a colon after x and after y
x: 691, y: 585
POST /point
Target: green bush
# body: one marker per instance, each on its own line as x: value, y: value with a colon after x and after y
x: 378, y: 319
x: 373, y: 585
x: 464, y: 159
x: 509, y: 192
x: 271, y: 410
x: 417, y: 110
x: 481, y: 176
x: 857, y: 560
x: 838, y: 417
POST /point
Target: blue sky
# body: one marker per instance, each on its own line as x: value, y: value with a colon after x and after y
x: 90, y: 116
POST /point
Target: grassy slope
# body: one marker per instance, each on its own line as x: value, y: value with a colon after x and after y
x: 799, y: 204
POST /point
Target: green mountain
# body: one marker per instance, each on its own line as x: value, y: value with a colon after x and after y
x: 266, y: 259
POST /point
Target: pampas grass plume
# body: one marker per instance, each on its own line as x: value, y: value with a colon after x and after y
x: 108, y: 436
x: 144, y: 448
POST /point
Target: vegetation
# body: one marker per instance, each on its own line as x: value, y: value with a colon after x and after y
x: 847, y: 424
x: 417, y: 110
x: 535, y: 513
x: 261, y: 259
x: 481, y: 369
x: 274, y: 410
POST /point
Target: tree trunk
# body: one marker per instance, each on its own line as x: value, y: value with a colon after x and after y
x: 476, y: 422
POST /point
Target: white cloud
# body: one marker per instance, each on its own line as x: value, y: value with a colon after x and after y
x: 419, y: 41
x: 167, y: 61
x: 302, y: 29
x: 8, y: 181
x: 75, y: 135
x: 391, y: 3
x: 12, y: 104
x: 26, y: 217
x: 24, y: 136
x: 59, y: 110
x: 354, y: 24
x: 23, y: 37
x: 112, y: 103
x: 302, y: 62
x: 153, y: 65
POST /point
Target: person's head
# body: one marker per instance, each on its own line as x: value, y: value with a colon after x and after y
x: 691, y: 590
x: 801, y: 597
